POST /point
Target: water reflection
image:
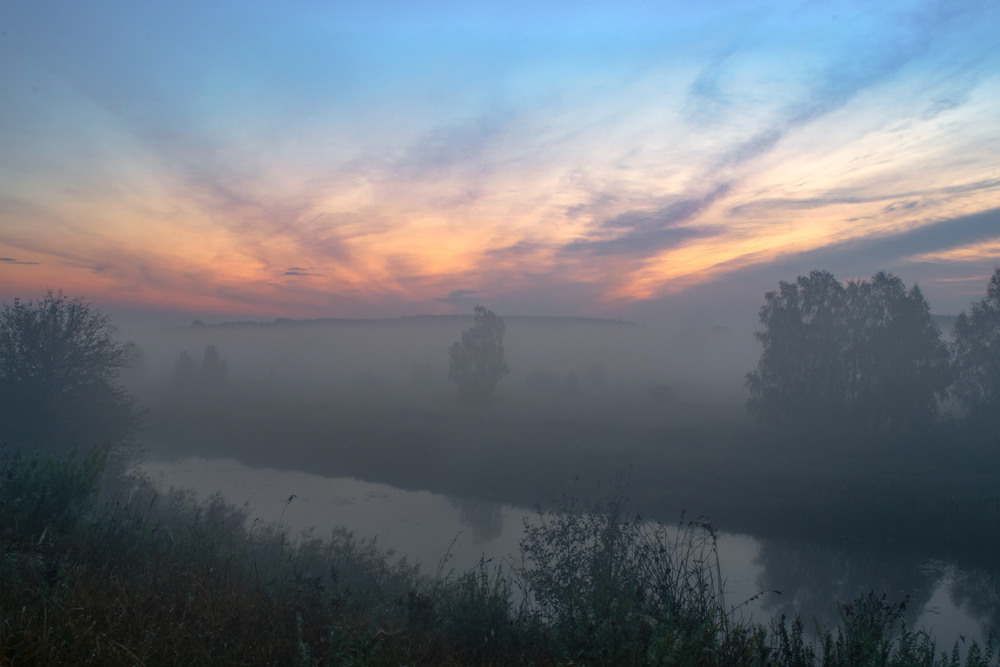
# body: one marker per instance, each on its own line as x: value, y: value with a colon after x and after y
x: 452, y: 534
x: 975, y: 591
x: 428, y: 528
x: 949, y: 603
x: 482, y: 516
x: 810, y: 577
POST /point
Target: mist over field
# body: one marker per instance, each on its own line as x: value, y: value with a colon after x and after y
x: 407, y: 358
x: 512, y: 333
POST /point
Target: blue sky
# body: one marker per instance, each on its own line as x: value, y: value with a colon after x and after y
x: 379, y: 159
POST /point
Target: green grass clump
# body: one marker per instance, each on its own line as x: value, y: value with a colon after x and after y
x: 611, y: 588
x: 122, y: 573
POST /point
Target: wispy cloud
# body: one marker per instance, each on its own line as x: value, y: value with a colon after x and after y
x: 894, y: 200
x: 977, y: 252
x: 460, y: 298
x: 643, y: 233
x: 10, y: 260
x: 299, y: 271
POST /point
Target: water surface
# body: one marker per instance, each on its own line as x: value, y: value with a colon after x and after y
x: 446, y: 534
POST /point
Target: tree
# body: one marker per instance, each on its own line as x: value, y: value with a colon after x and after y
x: 866, y: 355
x: 977, y: 356
x: 476, y: 362
x: 213, y: 369
x: 184, y: 377
x: 800, y: 373
x: 59, y: 376
x: 898, y: 365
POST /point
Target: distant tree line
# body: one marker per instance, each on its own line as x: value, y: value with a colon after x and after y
x: 867, y: 355
x: 189, y: 377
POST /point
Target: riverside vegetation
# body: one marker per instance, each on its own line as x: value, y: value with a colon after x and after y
x: 101, y: 568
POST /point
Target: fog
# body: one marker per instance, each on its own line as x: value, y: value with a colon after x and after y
x: 555, y: 363
x: 587, y: 403
x: 842, y: 436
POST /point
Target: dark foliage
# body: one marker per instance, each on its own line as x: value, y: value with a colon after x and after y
x: 90, y: 576
x: 476, y: 363
x: 977, y: 356
x: 59, y: 376
x: 866, y: 356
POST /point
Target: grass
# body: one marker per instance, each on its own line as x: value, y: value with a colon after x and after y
x: 103, y: 570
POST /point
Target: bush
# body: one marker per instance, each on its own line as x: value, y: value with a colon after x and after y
x: 615, y: 589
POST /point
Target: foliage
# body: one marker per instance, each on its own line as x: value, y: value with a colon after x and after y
x: 59, y: 376
x: 867, y: 355
x: 615, y: 589
x: 184, y: 378
x: 151, y: 577
x: 476, y: 362
x: 189, y: 378
x: 40, y: 493
x: 872, y: 633
x: 977, y: 356
x: 478, y: 610
x: 213, y: 369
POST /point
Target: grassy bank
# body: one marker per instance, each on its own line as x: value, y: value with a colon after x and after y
x: 111, y: 571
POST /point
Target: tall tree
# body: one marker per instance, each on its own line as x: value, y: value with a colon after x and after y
x: 213, y: 372
x: 899, y: 364
x: 977, y: 356
x: 476, y: 362
x: 801, y: 376
x: 867, y: 355
x: 59, y: 376
x: 184, y: 377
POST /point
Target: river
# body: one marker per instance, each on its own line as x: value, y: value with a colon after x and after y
x: 446, y: 534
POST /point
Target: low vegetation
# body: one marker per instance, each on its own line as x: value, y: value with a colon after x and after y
x: 100, y: 569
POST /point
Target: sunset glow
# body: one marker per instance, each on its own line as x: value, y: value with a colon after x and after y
x: 370, y: 160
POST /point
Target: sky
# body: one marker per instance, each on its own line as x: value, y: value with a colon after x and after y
x: 640, y: 160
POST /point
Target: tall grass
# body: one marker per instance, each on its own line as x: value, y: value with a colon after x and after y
x: 126, y: 573
x: 611, y: 588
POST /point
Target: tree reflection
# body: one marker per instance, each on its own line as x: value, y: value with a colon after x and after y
x: 978, y: 593
x: 482, y: 516
x: 814, y: 578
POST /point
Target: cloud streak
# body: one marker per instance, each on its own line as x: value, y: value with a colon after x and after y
x: 299, y: 271
x: 643, y: 233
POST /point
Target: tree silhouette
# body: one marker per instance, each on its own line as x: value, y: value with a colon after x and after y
x: 866, y: 355
x: 897, y: 363
x: 213, y: 371
x: 977, y: 356
x: 184, y: 377
x: 59, y: 376
x: 476, y: 362
x: 801, y: 376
